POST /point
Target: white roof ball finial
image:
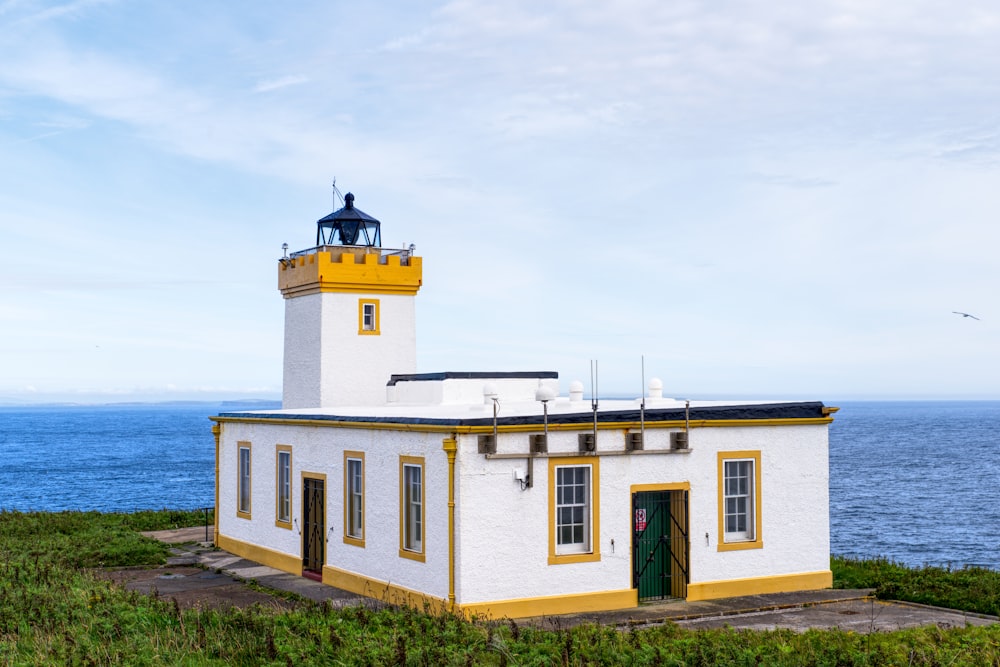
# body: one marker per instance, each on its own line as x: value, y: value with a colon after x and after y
x: 489, y: 393
x: 656, y: 388
x: 576, y: 390
x: 545, y: 393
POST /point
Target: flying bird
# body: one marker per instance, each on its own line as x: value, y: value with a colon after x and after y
x: 966, y: 315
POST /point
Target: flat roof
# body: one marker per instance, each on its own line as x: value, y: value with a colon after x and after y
x: 560, y: 411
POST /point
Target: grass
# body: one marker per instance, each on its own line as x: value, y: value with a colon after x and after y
x: 973, y: 589
x: 54, y: 611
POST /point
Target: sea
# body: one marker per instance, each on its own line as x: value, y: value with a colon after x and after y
x: 917, y: 482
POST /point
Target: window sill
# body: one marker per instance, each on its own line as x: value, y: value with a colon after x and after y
x: 354, y: 541
x: 565, y: 559
x: 412, y: 555
x: 740, y: 546
x: 287, y: 525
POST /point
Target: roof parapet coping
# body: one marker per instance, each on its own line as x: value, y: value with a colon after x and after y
x: 355, y: 254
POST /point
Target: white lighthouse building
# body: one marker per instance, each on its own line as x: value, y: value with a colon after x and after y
x: 492, y: 493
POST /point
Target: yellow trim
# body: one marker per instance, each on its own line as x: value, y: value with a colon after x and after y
x: 758, y: 539
x: 269, y: 557
x: 554, y: 604
x: 361, y: 317
x: 243, y: 444
x: 670, y: 486
x: 595, y: 510
x: 781, y: 583
x: 517, y: 608
x: 382, y: 590
x: 450, y: 447
x: 278, y: 449
x: 348, y: 539
x: 522, y: 428
x: 339, y: 271
x: 403, y: 552
x: 217, y: 433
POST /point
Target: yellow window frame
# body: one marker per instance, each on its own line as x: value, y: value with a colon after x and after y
x: 240, y: 446
x: 595, y: 509
x: 418, y: 461
x: 757, y: 542
x: 278, y: 521
x: 348, y: 538
x: 362, y: 330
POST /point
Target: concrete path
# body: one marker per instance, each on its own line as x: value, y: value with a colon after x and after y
x: 191, y: 550
x: 198, y: 567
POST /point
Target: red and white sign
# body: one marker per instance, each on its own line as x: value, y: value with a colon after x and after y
x: 640, y: 520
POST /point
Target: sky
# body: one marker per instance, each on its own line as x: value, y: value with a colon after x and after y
x: 743, y: 199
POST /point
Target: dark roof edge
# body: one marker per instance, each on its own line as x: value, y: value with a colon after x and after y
x: 472, y: 375
x: 805, y: 410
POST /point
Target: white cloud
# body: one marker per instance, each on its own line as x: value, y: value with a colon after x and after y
x: 31, y: 13
x: 269, y: 85
x: 741, y: 187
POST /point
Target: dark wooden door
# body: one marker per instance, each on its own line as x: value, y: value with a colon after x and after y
x: 314, y: 524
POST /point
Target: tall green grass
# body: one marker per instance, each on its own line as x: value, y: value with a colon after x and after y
x: 54, y: 611
x: 972, y: 589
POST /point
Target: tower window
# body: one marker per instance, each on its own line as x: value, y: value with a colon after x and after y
x: 368, y: 317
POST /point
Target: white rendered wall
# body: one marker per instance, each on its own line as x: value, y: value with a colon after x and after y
x: 470, y: 390
x: 503, y: 531
x: 328, y: 363
x: 302, y: 368
x: 321, y: 450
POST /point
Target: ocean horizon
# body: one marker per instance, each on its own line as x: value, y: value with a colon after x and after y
x: 910, y: 480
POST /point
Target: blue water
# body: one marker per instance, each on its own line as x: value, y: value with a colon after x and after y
x: 914, y: 481
x: 108, y: 458
x: 917, y: 481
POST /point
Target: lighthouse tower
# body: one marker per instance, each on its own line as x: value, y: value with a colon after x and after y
x: 349, y: 313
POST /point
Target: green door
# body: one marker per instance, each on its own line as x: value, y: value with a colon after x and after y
x: 660, y: 544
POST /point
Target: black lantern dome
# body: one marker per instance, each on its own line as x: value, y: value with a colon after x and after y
x: 350, y: 225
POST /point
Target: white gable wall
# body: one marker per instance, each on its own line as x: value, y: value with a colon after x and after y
x: 321, y: 450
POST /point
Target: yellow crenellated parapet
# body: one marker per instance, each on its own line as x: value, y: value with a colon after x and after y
x: 350, y: 270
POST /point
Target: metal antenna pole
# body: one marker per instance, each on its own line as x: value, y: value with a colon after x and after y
x: 593, y: 396
x: 642, y: 403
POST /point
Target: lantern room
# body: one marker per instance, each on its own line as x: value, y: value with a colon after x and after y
x: 349, y: 226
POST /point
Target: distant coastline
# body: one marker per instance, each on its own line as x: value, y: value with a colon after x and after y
x: 250, y: 403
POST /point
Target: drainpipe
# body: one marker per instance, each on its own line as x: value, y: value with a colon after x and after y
x: 450, y: 447
x: 217, y: 432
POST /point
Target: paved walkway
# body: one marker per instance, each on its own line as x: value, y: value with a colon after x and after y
x: 197, y: 566
x: 191, y: 550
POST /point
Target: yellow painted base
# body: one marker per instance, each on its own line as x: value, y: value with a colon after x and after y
x: 554, y: 605
x: 785, y: 583
x: 258, y: 554
x: 523, y: 607
x: 382, y: 590
x: 520, y: 608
